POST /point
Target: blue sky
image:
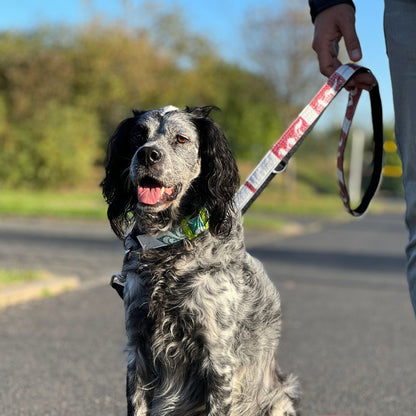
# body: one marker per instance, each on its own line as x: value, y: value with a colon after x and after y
x: 219, y: 20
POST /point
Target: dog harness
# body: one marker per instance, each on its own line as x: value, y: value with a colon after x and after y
x: 276, y: 159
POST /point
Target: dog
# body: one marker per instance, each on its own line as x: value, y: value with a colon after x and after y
x: 203, y: 320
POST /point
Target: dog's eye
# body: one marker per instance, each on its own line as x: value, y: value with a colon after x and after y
x: 137, y: 138
x: 181, y: 139
x: 139, y: 134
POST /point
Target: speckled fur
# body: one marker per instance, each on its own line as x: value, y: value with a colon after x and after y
x: 202, y: 317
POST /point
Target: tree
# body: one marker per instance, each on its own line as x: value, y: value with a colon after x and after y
x: 64, y: 91
x: 248, y: 102
x: 279, y: 45
x: 46, y: 140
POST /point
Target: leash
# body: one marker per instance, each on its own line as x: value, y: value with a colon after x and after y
x: 276, y: 159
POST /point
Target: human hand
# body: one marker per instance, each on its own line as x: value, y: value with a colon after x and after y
x: 330, y: 26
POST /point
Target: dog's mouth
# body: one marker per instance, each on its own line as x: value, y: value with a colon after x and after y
x: 154, y: 193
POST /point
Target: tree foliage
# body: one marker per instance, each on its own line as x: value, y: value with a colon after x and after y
x: 279, y: 43
x: 63, y: 91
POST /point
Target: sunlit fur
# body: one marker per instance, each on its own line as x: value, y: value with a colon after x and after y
x: 202, y: 317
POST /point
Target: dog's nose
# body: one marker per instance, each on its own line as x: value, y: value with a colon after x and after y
x: 149, y: 155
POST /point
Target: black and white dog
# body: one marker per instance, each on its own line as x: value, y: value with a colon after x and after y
x: 202, y: 317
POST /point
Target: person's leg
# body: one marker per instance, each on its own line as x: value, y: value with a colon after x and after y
x: 400, y: 32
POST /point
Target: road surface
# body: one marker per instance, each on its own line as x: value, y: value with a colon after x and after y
x: 349, y: 331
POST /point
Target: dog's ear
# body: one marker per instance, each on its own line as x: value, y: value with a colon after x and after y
x: 116, y: 185
x: 219, y: 179
x: 201, y: 112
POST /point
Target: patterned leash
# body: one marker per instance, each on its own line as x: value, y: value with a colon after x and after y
x: 276, y: 159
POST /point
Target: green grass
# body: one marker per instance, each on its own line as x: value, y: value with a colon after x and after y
x: 62, y: 204
x: 261, y: 221
x: 288, y: 197
x: 272, y: 202
x: 283, y: 196
x: 16, y: 277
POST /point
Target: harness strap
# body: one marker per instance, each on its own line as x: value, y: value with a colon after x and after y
x: 276, y: 159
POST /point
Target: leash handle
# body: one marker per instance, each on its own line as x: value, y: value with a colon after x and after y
x: 276, y: 159
x: 377, y: 122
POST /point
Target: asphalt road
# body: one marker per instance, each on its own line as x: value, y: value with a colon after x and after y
x: 348, y: 328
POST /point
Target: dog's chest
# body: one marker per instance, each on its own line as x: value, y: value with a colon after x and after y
x: 157, y: 301
x: 177, y: 324
x: 185, y: 302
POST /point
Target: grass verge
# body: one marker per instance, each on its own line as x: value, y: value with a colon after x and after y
x: 19, y: 277
x: 292, y: 193
x: 20, y: 286
x: 61, y: 204
x: 279, y: 198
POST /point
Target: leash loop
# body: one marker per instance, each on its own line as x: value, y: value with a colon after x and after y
x: 377, y: 117
x: 278, y: 156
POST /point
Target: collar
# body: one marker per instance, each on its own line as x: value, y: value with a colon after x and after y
x: 190, y: 228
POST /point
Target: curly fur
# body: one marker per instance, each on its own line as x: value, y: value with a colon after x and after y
x: 202, y: 317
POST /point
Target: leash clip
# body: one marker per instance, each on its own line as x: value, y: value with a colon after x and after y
x: 284, y: 165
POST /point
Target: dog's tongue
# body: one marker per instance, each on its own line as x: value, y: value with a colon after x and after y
x: 149, y: 195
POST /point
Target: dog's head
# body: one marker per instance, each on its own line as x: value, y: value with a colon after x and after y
x: 165, y: 164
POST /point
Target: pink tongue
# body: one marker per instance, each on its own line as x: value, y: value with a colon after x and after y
x: 149, y: 196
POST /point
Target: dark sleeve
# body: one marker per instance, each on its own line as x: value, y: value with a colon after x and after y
x: 317, y: 6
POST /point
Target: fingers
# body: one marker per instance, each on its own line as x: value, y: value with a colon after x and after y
x: 330, y: 26
x: 363, y: 80
x: 352, y: 43
x: 325, y: 44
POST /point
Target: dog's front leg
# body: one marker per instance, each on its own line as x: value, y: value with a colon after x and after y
x: 219, y: 400
x: 138, y: 328
x: 136, y: 396
x: 130, y: 388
